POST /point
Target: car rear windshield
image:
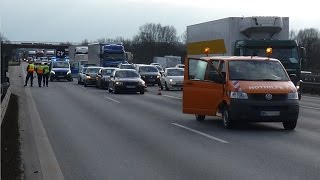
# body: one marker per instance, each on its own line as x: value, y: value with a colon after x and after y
x: 126, y: 74
x: 60, y: 65
x: 107, y: 72
x: 175, y: 72
x: 250, y: 70
x: 93, y: 70
x: 148, y: 69
x: 127, y: 66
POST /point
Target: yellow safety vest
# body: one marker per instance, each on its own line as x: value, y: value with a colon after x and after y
x: 30, y: 68
x: 39, y: 69
x: 45, y: 69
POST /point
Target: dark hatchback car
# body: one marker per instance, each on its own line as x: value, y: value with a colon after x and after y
x: 103, y: 77
x: 126, y: 80
x: 91, y: 75
x: 150, y: 74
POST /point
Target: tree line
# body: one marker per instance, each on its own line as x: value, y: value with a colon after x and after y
x: 310, y: 39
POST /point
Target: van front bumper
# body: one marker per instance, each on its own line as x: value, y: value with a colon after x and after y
x: 264, y: 111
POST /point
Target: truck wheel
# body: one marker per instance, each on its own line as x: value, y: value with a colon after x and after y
x: 200, y: 117
x: 290, y: 125
x: 166, y: 86
x: 141, y: 92
x: 109, y: 89
x: 227, y: 119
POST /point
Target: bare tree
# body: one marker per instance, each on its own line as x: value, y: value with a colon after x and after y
x: 310, y: 39
x: 293, y: 34
x: 183, y: 37
x: 151, y: 32
x: 85, y: 42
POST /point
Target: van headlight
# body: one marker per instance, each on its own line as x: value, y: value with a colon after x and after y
x: 238, y: 95
x: 298, y: 87
x: 52, y: 72
x: 293, y: 96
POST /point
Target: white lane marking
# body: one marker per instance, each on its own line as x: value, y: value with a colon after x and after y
x: 201, y: 133
x: 112, y: 99
x: 173, y: 97
x: 309, y: 107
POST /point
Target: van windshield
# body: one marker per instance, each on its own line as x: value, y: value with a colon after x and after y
x: 60, y: 65
x: 250, y: 70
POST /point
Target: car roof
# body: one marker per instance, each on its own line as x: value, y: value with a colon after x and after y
x: 174, y: 68
x: 126, y: 70
x: 94, y: 67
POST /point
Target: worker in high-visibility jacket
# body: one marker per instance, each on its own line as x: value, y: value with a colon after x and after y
x: 46, y: 74
x: 39, y: 71
x: 30, y: 70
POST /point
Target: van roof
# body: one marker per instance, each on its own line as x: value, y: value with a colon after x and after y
x: 232, y: 58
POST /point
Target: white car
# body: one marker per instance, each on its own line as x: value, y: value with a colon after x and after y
x: 172, y: 78
x: 179, y: 66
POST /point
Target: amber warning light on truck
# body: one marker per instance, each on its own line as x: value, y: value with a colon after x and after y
x: 269, y: 51
x: 207, y: 51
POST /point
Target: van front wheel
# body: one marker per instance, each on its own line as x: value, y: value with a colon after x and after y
x: 290, y: 125
x: 200, y: 117
x: 227, y: 119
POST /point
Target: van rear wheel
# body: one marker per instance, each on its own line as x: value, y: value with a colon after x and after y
x: 200, y: 117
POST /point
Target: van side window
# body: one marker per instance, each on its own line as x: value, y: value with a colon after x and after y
x: 197, y: 69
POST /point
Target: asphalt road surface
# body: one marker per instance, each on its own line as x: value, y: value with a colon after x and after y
x: 99, y: 135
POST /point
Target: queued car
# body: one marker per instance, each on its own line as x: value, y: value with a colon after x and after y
x: 179, y: 66
x: 160, y: 69
x: 126, y: 80
x: 91, y: 75
x: 155, y: 64
x: 81, y: 75
x: 149, y: 73
x: 172, y: 78
x: 103, y: 77
x: 126, y: 66
x: 60, y: 70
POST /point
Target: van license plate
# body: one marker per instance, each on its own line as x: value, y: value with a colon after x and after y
x: 270, y: 113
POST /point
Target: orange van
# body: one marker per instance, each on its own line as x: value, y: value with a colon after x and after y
x: 241, y: 88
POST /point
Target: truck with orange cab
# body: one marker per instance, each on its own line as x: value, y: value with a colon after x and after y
x: 240, y: 88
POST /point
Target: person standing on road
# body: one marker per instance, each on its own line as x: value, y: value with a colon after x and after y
x: 45, y: 74
x: 39, y: 70
x: 30, y: 70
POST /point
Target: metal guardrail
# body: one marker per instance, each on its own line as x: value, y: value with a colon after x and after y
x: 5, y: 103
x: 311, y: 84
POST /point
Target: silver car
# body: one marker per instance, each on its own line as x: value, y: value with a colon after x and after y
x: 172, y: 78
x: 81, y: 75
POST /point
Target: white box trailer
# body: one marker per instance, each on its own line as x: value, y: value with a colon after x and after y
x: 221, y: 35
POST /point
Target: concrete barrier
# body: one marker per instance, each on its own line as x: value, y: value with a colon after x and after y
x: 5, y: 103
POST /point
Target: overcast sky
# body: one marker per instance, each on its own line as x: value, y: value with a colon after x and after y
x: 75, y: 20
